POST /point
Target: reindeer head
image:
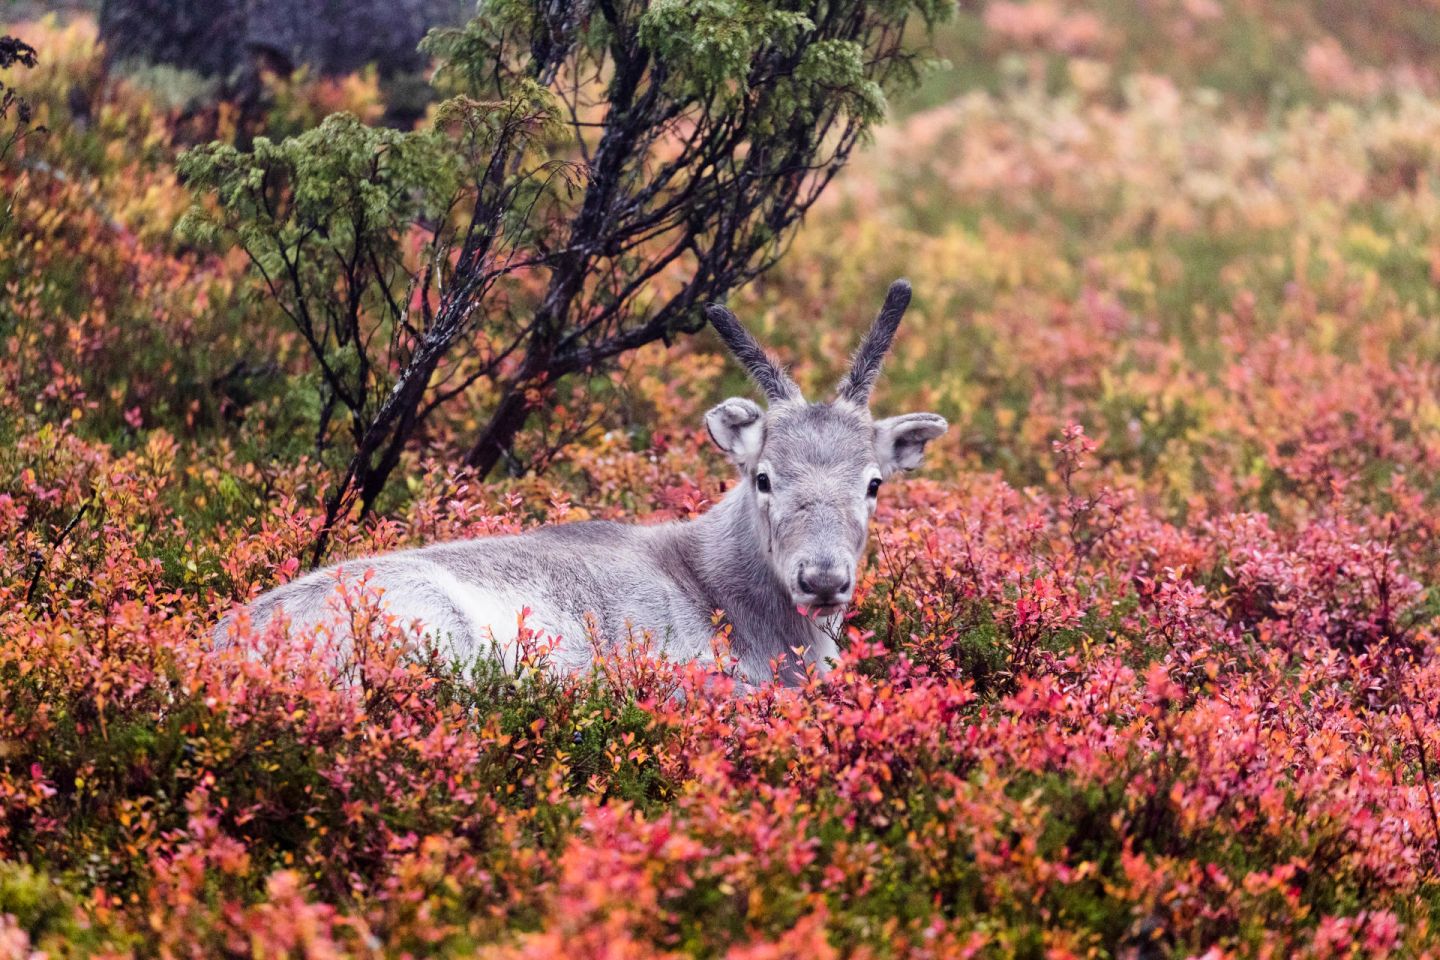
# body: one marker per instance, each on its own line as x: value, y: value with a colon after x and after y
x: 812, y: 471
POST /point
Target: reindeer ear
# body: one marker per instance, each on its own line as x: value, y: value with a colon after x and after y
x: 900, y: 441
x: 737, y: 426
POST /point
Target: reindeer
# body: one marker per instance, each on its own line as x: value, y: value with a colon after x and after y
x: 777, y: 556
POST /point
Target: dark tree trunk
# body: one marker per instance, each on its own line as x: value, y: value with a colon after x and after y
x: 499, y: 434
x: 223, y: 38
x: 567, y: 279
x: 196, y: 36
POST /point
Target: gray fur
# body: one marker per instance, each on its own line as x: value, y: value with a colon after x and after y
x: 753, y: 558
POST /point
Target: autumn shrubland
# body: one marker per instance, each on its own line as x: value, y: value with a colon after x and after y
x: 1143, y: 663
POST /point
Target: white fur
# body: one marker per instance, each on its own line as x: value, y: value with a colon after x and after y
x: 491, y: 619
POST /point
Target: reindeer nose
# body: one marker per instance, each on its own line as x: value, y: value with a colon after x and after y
x: 823, y: 583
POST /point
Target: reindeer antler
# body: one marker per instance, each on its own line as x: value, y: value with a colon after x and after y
x: 763, y: 369
x: 865, y: 367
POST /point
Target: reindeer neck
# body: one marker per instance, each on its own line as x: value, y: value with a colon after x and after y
x: 728, y: 554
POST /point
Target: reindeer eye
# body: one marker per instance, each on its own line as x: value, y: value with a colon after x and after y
x: 874, y: 489
x: 762, y: 482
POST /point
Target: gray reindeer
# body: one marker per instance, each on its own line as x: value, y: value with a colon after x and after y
x: 778, y: 555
